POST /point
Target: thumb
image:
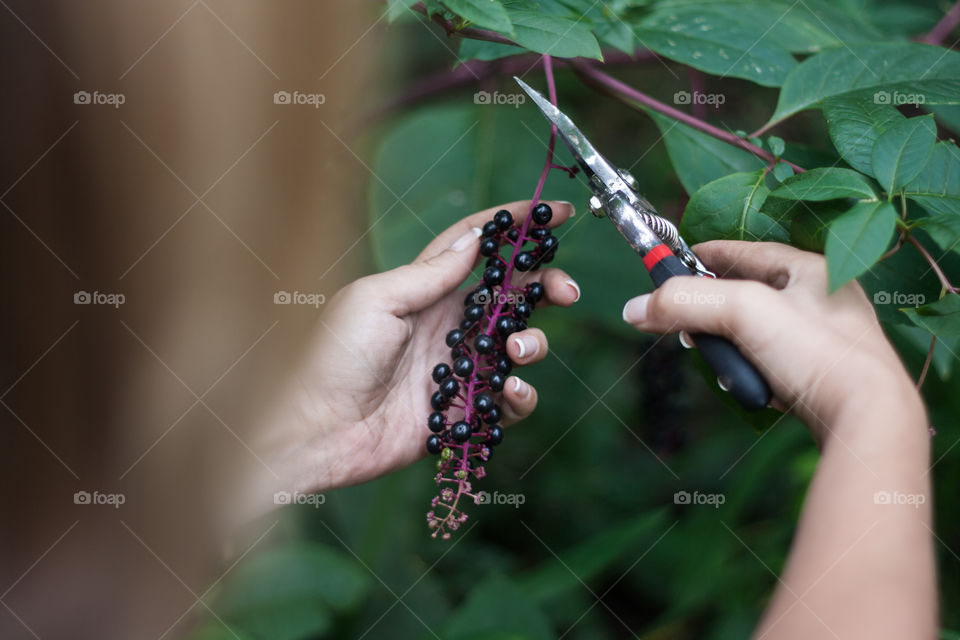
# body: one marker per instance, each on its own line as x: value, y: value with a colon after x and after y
x: 418, y: 285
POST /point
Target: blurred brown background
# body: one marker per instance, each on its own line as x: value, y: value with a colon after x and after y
x: 196, y: 199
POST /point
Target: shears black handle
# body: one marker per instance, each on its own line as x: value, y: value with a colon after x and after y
x: 735, y: 373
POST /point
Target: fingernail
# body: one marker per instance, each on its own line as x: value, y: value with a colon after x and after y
x: 573, y: 209
x: 685, y: 340
x: 466, y: 239
x: 527, y: 345
x: 521, y: 388
x: 576, y: 288
x: 635, y: 311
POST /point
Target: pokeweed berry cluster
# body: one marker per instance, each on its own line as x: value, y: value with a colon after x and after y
x: 465, y: 422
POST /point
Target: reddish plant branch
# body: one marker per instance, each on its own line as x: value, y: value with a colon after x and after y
x: 468, y: 32
x: 474, y: 72
x: 625, y: 92
x: 943, y: 28
x: 926, y: 363
x: 944, y: 281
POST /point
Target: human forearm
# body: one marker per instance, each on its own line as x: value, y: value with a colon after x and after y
x: 862, y: 562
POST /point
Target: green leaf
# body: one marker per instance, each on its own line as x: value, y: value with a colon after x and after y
x: 857, y: 239
x: 397, y: 8
x: 488, y: 14
x: 810, y: 224
x: 826, y: 183
x: 942, y: 318
x: 855, y: 124
x: 729, y: 209
x: 698, y: 158
x: 287, y: 593
x: 721, y: 46
x: 781, y: 171
x: 498, y: 606
x: 554, y: 35
x: 894, y: 73
x: 471, y: 49
x: 902, y: 151
x: 776, y: 145
x: 937, y: 187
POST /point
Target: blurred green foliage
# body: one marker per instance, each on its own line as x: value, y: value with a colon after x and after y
x: 600, y: 547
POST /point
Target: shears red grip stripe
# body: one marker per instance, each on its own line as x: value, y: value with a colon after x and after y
x: 655, y: 255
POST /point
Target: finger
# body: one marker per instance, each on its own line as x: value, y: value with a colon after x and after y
x: 527, y: 346
x: 731, y: 308
x: 415, y: 286
x: 519, y: 209
x: 770, y: 262
x: 559, y: 288
x: 520, y: 399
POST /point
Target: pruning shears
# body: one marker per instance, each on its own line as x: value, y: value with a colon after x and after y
x: 656, y: 240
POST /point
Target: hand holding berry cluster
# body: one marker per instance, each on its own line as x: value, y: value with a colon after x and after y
x: 465, y: 421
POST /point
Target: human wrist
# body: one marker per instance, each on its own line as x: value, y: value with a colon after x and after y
x: 886, y: 407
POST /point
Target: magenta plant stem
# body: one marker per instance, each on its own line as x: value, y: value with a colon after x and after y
x: 943, y: 28
x: 460, y: 462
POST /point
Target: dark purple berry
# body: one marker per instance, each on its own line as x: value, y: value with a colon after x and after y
x: 459, y: 351
x: 503, y: 364
x: 542, y: 213
x: 449, y: 387
x: 463, y: 366
x: 524, y: 261
x: 466, y: 325
x: 489, y: 246
x: 494, y: 435
x: 535, y: 292
x: 503, y: 219
x: 484, y: 343
x: 460, y: 431
x: 496, y: 380
x: 493, y: 416
x: 513, y: 234
x: 549, y: 243
x: 506, y: 325
x: 434, y: 445
x: 482, y: 402
x: 521, y: 325
x: 436, y: 422
x: 538, y: 233
x: 438, y: 401
x: 496, y: 260
x: 523, y: 309
x: 440, y: 372
x: 482, y: 295
x: 493, y: 275
x: 489, y: 229
x: 454, y: 338
x: 473, y: 313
